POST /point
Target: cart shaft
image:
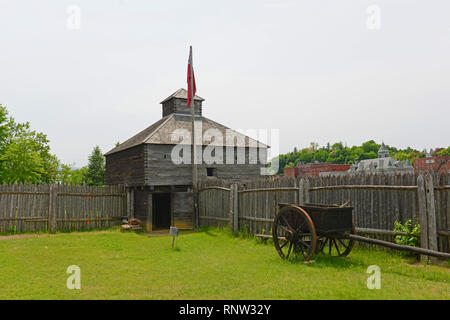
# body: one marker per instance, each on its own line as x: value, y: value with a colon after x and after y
x: 397, y: 246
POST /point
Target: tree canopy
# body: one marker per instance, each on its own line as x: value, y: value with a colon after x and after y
x: 24, y: 153
x: 25, y: 157
x: 95, y: 175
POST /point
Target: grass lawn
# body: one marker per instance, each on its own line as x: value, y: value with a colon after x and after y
x: 205, y: 265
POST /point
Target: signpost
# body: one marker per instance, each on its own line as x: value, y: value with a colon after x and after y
x: 174, y: 233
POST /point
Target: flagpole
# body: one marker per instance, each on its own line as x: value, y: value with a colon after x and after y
x: 194, y: 141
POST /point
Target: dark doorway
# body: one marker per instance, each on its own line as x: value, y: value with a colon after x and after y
x: 161, y: 210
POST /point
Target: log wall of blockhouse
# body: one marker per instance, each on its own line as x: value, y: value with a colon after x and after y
x: 160, y: 170
x: 126, y: 167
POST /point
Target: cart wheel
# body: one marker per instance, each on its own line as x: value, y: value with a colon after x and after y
x: 335, y: 245
x: 294, y: 235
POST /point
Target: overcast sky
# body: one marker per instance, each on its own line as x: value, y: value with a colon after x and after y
x: 321, y: 71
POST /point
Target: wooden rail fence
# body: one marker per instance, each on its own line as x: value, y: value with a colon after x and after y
x: 34, y: 208
x: 378, y: 201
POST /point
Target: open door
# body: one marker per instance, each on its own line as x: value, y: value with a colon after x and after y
x: 161, y: 218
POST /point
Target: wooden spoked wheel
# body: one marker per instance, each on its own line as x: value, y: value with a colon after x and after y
x: 335, y: 245
x: 293, y: 232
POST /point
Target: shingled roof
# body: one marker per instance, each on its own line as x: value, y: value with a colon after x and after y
x: 181, y: 94
x: 161, y: 133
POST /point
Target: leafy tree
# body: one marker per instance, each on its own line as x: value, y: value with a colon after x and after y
x: 370, y: 146
x: 95, y: 175
x: 25, y: 154
x: 4, y: 130
x: 444, y: 152
x: 67, y: 174
x: 20, y: 162
x: 290, y: 165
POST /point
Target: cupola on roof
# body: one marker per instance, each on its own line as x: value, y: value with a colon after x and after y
x: 176, y: 103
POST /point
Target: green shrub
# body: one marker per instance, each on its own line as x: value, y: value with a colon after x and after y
x: 412, y: 230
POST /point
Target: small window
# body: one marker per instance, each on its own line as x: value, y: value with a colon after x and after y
x: 211, y: 172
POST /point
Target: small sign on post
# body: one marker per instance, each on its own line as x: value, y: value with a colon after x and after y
x: 174, y: 233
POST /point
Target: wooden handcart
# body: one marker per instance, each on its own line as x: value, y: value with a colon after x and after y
x: 300, y: 231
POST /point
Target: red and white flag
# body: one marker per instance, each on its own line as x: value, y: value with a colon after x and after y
x: 191, y: 84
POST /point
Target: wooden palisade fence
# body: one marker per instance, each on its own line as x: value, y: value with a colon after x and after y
x: 34, y: 208
x: 378, y: 201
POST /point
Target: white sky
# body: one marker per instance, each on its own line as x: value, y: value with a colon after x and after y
x: 312, y: 69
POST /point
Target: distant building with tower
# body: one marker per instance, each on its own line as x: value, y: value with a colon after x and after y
x: 384, y: 163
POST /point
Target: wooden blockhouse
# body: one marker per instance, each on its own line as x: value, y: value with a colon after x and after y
x: 162, y: 189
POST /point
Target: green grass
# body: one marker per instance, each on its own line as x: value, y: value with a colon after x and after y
x: 204, y: 265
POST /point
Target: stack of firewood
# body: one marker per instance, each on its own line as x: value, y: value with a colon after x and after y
x: 132, y: 224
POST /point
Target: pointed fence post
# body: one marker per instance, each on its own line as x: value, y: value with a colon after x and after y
x: 234, y: 208
x: 297, y: 194
x: 307, y: 190
x: 422, y: 197
x: 301, y: 191
x: 52, y: 208
x: 431, y: 213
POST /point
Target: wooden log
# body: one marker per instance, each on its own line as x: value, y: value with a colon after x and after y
x: 443, y: 233
x: 89, y: 195
x: 30, y: 193
x: 442, y: 188
x: 367, y: 187
x: 391, y: 245
x: 29, y: 219
x: 214, y: 218
x: 91, y: 219
x: 267, y: 236
x: 213, y: 188
x: 383, y: 232
x: 269, y: 189
x: 255, y: 219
